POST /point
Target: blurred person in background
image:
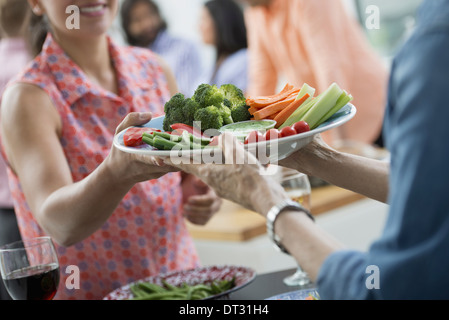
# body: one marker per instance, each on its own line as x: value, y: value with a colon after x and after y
x: 119, y: 217
x: 222, y: 25
x: 317, y: 42
x: 14, y: 55
x: 145, y: 27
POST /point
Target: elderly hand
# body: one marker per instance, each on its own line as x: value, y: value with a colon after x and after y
x: 238, y: 178
x: 305, y: 160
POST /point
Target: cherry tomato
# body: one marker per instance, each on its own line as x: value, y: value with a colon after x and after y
x: 272, y: 134
x: 214, y: 141
x: 301, y: 127
x: 254, y: 136
x: 287, y: 131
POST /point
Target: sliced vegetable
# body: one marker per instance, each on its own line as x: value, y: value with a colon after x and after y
x: 287, y: 87
x: 344, y: 99
x: 324, y: 104
x: 263, y: 102
x: 133, y: 135
x: 299, y: 113
x: 288, y: 111
x: 272, y: 109
x: 179, y: 127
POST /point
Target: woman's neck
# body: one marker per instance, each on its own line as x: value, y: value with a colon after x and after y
x: 93, y: 57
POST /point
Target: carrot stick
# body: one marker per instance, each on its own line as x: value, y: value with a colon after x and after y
x: 272, y: 109
x: 252, y: 110
x: 288, y: 111
x: 260, y: 103
x: 285, y: 89
x: 273, y: 116
x: 250, y: 101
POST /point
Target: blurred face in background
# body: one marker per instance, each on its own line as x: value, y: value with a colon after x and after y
x: 207, y: 27
x: 95, y: 18
x: 145, y: 23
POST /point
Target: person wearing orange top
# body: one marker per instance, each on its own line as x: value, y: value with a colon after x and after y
x: 318, y: 43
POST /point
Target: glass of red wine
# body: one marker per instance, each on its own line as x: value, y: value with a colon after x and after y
x: 30, y: 269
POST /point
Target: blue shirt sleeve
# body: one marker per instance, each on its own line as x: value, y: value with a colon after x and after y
x: 412, y: 255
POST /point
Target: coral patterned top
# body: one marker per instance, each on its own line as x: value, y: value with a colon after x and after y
x: 146, y: 235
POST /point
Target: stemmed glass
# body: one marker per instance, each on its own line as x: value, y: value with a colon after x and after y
x: 298, y: 188
x: 30, y: 269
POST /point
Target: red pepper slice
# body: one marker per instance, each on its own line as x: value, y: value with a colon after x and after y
x: 133, y: 135
x: 179, y: 127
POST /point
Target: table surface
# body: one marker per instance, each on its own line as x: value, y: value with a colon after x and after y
x: 235, y: 223
x: 266, y: 285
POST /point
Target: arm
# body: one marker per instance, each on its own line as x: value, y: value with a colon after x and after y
x: 362, y: 175
x: 67, y: 211
x: 242, y: 183
x: 261, y: 71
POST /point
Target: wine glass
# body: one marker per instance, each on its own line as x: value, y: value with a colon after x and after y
x: 298, y: 188
x: 30, y: 269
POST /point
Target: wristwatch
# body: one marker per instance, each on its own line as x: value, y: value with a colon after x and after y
x: 274, y: 212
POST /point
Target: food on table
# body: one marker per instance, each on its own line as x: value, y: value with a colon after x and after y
x: 166, y: 291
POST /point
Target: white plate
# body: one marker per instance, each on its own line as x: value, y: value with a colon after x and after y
x: 267, y: 151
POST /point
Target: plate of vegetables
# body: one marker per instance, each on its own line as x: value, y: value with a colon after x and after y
x: 271, y: 127
x: 205, y: 283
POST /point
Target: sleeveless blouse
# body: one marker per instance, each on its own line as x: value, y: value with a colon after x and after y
x: 146, y: 234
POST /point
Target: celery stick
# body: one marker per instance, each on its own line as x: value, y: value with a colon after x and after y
x: 344, y: 99
x: 304, y: 90
x: 322, y: 106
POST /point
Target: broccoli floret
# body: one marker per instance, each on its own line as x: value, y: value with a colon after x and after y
x: 189, y: 110
x: 210, y: 118
x: 236, y: 102
x: 174, y: 111
x: 208, y: 95
x: 233, y: 94
x: 240, y: 113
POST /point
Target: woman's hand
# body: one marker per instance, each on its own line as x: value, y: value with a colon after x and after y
x: 135, y: 168
x: 200, y: 201
x: 238, y: 178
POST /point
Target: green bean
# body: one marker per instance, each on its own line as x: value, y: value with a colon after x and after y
x: 169, y: 286
x: 150, y: 287
x: 152, y: 291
